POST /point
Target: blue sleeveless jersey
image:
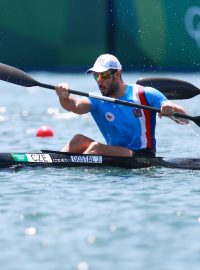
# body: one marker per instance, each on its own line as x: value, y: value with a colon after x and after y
x: 129, y: 127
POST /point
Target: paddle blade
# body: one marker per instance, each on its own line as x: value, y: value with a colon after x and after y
x: 197, y: 120
x: 16, y: 76
x: 171, y: 88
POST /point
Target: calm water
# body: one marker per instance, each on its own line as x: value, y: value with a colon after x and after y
x: 94, y: 219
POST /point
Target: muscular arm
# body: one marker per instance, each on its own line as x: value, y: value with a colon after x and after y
x: 76, y: 105
x: 167, y: 108
x: 70, y: 103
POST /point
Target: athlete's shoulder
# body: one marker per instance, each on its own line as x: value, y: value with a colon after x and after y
x: 139, y: 88
x: 154, y: 96
x: 154, y: 92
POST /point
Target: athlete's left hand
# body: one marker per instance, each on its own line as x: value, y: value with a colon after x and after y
x: 169, y: 108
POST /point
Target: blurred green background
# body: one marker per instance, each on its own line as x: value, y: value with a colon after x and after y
x: 71, y: 34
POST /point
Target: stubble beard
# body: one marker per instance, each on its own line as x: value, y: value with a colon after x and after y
x: 112, y: 89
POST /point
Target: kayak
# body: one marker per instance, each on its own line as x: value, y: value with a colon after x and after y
x: 47, y: 158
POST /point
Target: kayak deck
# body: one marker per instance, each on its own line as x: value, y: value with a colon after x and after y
x: 61, y: 159
x: 48, y: 158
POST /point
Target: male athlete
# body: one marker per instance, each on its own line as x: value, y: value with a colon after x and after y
x: 127, y: 131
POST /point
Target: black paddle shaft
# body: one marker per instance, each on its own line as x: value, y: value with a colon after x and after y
x: 171, y: 88
x: 17, y: 76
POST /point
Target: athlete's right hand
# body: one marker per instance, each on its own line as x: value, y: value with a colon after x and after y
x: 62, y: 90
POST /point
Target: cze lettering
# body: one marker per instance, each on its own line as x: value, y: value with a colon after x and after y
x: 39, y: 158
x: 87, y: 159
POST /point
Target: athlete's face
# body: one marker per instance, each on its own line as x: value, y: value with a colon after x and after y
x: 106, y: 82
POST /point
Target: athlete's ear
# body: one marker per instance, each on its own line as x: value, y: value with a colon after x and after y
x: 119, y: 74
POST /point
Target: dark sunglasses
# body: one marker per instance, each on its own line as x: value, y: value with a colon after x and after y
x: 103, y: 76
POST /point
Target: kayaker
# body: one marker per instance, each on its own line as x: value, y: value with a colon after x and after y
x: 127, y: 131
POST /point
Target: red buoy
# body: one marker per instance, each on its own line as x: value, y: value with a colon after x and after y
x: 44, y: 131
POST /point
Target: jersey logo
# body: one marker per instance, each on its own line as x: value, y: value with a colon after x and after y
x: 137, y: 113
x: 110, y: 116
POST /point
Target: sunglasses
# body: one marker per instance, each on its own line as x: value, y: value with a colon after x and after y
x: 103, y: 75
